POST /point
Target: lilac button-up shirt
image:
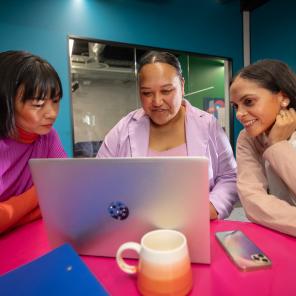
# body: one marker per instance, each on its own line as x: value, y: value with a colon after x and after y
x: 204, y: 137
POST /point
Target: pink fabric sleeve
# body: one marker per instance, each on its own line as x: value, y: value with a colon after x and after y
x: 282, y: 158
x: 261, y: 207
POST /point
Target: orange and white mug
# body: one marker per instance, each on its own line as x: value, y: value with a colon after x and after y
x: 164, y: 265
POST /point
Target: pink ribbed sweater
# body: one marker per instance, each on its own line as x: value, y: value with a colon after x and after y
x: 15, y: 175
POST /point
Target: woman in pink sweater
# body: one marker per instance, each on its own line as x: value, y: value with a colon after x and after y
x: 30, y: 92
x: 264, y: 96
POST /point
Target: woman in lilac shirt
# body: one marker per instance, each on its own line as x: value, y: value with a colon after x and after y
x: 168, y: 125
x: 30, y: 93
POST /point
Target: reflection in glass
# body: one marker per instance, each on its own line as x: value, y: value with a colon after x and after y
x: 104, y: 88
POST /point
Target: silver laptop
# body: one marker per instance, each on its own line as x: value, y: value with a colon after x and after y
x: 98, y: 204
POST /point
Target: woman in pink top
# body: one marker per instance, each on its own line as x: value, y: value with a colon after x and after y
x: 30, y: 93
x: 168, y: 125
x: 264, y: 96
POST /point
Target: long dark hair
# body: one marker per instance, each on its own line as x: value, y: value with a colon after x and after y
x: 153, y: 57
x: 273, y: 75
x: 34, y: 75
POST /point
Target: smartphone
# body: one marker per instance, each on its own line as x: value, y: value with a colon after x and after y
x: 243, y: 252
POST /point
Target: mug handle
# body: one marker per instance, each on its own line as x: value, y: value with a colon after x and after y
x: 131, y: 269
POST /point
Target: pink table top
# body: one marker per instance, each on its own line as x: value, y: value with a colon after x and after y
x: 220, y: 278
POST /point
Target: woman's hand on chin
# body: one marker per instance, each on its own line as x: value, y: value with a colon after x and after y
x: 284, y: 126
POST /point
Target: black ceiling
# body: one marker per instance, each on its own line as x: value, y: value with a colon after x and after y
x: 81, y: 47
x: 249, y: 5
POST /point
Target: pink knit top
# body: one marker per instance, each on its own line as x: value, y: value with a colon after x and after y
x: 15, y: 175
x: 176, y: 151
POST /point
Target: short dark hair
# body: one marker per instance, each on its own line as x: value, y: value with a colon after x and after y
x: 152, y: 57
x: 34, y: 74
x: 273, y: 75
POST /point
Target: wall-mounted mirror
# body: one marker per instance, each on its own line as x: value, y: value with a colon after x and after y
x: 104, y: 87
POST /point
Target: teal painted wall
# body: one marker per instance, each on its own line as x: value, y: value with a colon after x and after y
x: 42, y: 27
x: 273, y: 32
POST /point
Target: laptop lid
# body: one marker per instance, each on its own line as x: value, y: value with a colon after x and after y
x: 98, y: 204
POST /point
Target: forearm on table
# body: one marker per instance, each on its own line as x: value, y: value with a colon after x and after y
x: 31, y: 216
x: 270, y: 211
x: 12, y: 210
x: 261, y: 207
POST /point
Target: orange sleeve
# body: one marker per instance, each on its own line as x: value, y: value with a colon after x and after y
x: 33, y: 215
x: 16, y: 208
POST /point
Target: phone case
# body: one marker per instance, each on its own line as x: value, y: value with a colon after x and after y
x: 243, y: 252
